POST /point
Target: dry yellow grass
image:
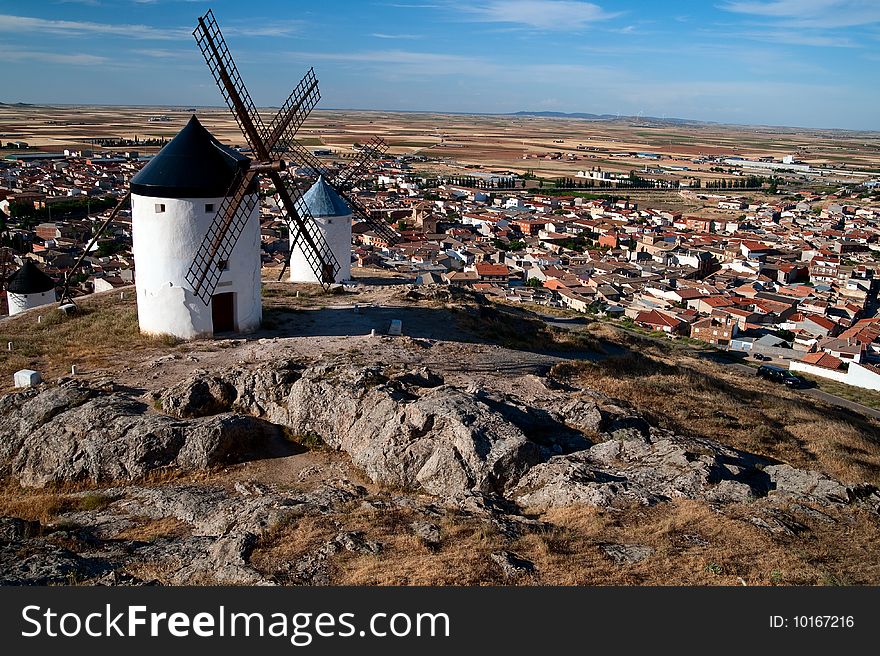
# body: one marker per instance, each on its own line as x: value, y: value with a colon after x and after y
x: 153, y: 529
x: 693, y: 545
x: 694, y: 397
x: 102, y: 333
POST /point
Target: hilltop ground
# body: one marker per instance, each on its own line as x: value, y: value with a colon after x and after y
x: 701, y: 497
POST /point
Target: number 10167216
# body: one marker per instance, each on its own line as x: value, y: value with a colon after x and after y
x: 812, y: 622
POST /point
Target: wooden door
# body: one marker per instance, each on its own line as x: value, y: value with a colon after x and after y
x: 223, y: 312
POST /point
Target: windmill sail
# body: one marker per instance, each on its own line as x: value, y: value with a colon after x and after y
x: 263, y: 143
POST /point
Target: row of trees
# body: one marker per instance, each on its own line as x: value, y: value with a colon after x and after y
x: 471, y: 181
x: 27, y: 214
x: 117, y: 142
x: 637, y: 182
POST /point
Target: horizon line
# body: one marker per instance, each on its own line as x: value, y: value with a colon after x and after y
x: 524, y: 113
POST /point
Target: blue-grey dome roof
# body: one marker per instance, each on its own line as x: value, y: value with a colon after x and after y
x: 322, y: 200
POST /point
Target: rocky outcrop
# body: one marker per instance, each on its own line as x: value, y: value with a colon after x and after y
x: 406, y: 429
x: 439, y: 439
x: 69, y: 433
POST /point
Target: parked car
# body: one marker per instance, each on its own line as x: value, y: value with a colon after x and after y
x: 770, y: 372
x: 780, y: 375
x: 762, y: 357
x: 794, y: 381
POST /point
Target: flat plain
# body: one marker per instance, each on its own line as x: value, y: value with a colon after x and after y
x: 548, y: 147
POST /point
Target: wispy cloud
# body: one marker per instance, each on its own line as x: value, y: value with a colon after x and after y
x: 405, y: 37
x: 801, y: 38
x: 538, y: 14
x: 162, y: 53
x: 264, y: 27
x: 386, y: 57
x: 20, y: 24
x: 825, y: 14
x: 72, y: 59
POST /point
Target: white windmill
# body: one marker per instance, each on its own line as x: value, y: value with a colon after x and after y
x: 29, y: 287
x: 333, y: 218
x: 175, y: 200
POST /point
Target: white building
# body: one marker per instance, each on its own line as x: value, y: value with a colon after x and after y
x: 29, y: 288
x: 174, y: 200
x: 333, y: 218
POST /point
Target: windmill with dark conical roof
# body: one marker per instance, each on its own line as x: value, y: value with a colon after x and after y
x: 29, y: 287
x: 176, y: 200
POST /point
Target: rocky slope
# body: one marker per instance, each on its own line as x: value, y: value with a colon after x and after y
x: 406, y: 441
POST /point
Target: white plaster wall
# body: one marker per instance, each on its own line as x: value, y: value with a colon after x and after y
x: 337, y: 232
x: 21, y: 302
x: 163, y: 247
x: 840, y: 376
x: 860, y: 377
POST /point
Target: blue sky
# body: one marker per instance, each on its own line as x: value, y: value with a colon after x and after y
x: 778, y: 62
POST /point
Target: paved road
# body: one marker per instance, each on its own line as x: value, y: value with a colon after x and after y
x: 574, y: 322
x: 812, y: 391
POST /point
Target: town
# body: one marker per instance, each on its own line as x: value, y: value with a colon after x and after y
x: 781, y: 272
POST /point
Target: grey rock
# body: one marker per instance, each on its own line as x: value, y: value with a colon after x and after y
x: 214, y: 511
x: 14, y: 528
x: 730, y: 492
x: 47, y: 564
x: 199, y: 397
x: 444, y: 441
x: 427, y: 532
x: 512, y: 565
x: 495, y: 510
x: 314, y: 567
x: 223, y: 561
x: 627, y: 554
x: 72, y: 434
x: 776, y: 521
x: 643, y: 469
x: 802, y: 484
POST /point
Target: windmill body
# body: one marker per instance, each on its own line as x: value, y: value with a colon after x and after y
x: 29, y: 288
x: 332, y: 217
x: 174, y: 201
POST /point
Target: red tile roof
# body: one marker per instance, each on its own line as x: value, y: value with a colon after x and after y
x: 486, y: 269
x: 822, y: 359
x: 654, y: 318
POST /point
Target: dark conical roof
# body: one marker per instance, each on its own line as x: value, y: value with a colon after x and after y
x: 192, y: 165
x: 29, y: 280
x: 322, y: 200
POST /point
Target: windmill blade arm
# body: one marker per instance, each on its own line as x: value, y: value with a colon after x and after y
x: 300, y: 155
x: 293, y: 113
x: 379, y: 226
x: 232, y: 215
x: 68, y: 277
x: 374, y: 149
x: 5, y: 263
x: 304, y: 231
x: 216, y: 53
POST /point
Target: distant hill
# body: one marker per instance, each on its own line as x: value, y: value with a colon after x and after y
x: 565, y: 115
x: 608, y: 117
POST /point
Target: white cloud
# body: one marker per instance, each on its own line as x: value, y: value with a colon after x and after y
x: 264, y: 27
x: 19, y: 24
x: 825, y: 14
x: 387, y: 57
x: 73, y: 59
x: 405, y: 37
x: 539, y: 14
x: 161, y: 53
